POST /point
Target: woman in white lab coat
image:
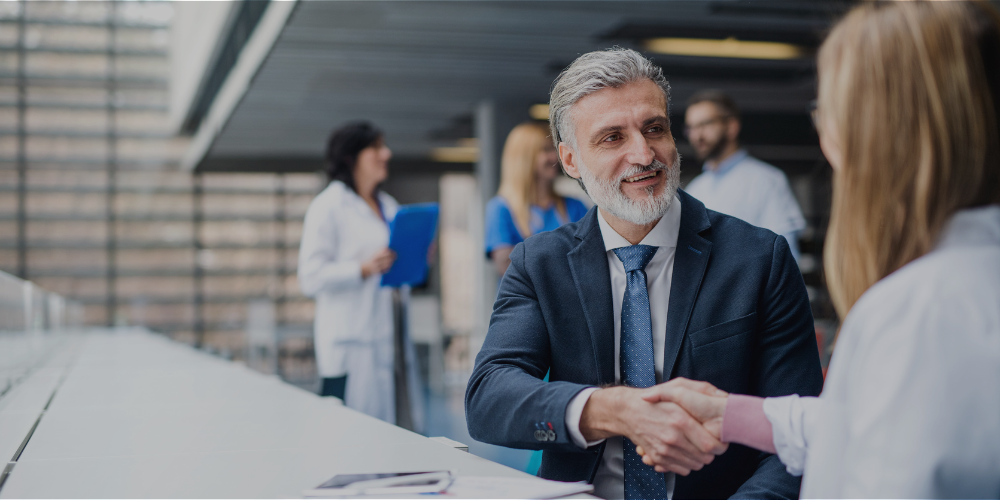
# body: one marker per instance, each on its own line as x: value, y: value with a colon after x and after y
x: 908, y: 112
x: 342, y: 257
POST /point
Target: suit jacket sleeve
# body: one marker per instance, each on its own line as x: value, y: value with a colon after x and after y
x: 506, y: 400
x: 788, y: 362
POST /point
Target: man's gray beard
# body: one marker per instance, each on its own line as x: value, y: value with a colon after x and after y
x: 609, y: 197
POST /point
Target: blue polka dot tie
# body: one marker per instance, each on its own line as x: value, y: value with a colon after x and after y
x: 637, y: 366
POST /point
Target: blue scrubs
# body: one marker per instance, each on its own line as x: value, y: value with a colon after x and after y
x: 502, y: 232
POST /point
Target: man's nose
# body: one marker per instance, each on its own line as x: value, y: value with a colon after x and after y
x: 640, y: 152
x: 693, y: 135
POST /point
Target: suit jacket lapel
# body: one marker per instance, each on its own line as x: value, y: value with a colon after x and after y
x: 589, y: 266
x: 690, y: 263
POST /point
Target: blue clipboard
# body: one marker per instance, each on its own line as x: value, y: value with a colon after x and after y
x: 411, y: 233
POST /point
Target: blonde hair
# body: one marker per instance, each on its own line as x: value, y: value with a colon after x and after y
x: 911, y: 89
x: 517, y: 173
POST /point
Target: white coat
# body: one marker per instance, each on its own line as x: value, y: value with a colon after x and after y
x: 353, y: 328
x: 911, y: 404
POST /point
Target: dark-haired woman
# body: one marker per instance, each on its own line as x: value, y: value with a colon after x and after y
x: 343, y: 254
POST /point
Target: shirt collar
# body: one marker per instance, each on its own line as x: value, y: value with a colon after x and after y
x: 663, y: 234
x: 728, y: 163
x: 972, y: 227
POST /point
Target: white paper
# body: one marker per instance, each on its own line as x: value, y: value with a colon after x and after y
x: 511, y: 487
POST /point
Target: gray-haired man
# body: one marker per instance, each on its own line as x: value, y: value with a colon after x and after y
x: 648, y: 287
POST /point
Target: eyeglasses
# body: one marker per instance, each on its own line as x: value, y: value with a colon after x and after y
x: 698, y: 126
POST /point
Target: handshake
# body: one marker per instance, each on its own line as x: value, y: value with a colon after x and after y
x: 676, y: 426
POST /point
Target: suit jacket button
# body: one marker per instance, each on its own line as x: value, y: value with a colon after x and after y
x: 551, y: 435
x: 540, y: 435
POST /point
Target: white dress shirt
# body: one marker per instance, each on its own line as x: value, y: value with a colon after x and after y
x: 754, y: 191
x: 911, y: 404
x: 610, y: 479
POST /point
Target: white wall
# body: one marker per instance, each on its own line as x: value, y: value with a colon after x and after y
x: 195, y: 33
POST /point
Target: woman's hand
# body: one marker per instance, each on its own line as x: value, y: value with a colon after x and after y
x: 378, y: 264
x: 672, y: 439
x: 701, y: 400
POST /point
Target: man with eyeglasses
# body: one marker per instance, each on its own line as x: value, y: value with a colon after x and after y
x: 732, y: 181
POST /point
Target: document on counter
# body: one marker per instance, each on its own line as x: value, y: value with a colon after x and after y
x: 373, y: 485
x: 510, y: 487
x: 442, y: 484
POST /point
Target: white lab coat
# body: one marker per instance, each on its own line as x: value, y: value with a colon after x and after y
x: 353, y: 326
x: 911, y: 404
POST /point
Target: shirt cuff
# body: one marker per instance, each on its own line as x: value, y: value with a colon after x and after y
x: 790, y: 419
x: 574, y: 410
x: 744, y: 422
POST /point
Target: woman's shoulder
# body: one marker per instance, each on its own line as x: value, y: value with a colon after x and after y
x: 332, y: 194
x: 497, y: 207
x: 498, y: 202
x: 941, y: 274
x: 943, y: 287
x: 934, y: 321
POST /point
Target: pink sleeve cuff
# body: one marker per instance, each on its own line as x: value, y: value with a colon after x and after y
x: 745, y: 423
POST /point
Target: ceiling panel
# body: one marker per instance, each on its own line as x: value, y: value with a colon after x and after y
x: 414, y: 68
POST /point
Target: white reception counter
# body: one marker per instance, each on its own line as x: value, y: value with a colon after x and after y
x: 126, y: 413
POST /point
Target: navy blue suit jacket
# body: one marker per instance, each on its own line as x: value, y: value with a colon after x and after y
x: 738, y: 317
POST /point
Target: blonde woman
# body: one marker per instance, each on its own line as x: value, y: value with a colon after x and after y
x: 909, y: 100
x: 526, y: 204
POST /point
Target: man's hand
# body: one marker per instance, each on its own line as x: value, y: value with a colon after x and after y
x: 700, y: 400
x: 670, y: 437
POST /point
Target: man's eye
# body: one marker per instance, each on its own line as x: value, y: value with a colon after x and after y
x: 654, y: 129
x: 612, y: 137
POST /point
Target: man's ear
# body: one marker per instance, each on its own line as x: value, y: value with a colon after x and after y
x: 733, y: 130
x: 567, y: 157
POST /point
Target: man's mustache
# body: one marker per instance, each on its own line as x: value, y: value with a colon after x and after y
x: 641, y: 169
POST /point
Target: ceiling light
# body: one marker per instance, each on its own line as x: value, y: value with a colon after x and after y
x: 457, y: 154
x: 539, y: 112
x: 729, y: 47
x: 467, y: 151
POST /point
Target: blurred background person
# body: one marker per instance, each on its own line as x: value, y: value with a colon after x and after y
x: 909, y: 103
x: 342, y: 257
x: 526, y: 202
x: 732, y: 181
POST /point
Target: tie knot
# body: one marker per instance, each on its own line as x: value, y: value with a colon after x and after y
x: 635, y: 257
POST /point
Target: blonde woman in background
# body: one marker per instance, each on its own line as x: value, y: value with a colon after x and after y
x: 909, y: 103
x: 526, y: 202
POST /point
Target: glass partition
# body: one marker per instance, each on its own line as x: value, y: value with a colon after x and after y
x: 32, y: 322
